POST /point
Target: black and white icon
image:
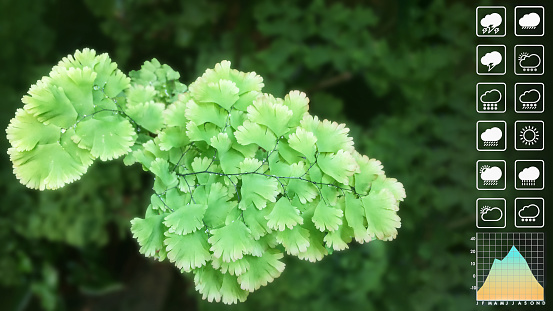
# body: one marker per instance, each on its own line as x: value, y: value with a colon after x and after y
x: 529, y: 174
x: 529, y: 97
x: 490, y: 97
x: 490, y: 175
x: 491, y: 213
x: 529, y: 21
x: 529, y: 212
x: 529, y: 135
x: 491, y: 136
x: 490, y: 21
x: 490, y: 59
x: 529, y: 60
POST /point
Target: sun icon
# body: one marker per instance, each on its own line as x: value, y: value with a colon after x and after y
x: 529, y: 135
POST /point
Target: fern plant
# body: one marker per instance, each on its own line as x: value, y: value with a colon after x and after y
x: 240, y: 177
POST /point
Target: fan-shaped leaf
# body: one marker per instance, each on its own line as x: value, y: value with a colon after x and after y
x: 304, y: 142
x: 327, y: 217
x: 262, y: 270
x: 188, y: 251
x: 339, y: 166
x: 49, y: 104
x: 295, y: 240
x: 266, y: 110
x: 107, y: 136
x: 148, y: 115
x: 331, y: 136
x: 149, y: 232
x: 186, y: 219
x: 253, y: 133
x: 283, y: 215
x: 224, y: 93
x: 231, y: 242
x: 24, y: 132
x: 299, y: 104
x: 381, y: 212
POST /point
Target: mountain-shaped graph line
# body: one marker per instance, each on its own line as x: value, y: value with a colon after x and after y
x: 510, y: 279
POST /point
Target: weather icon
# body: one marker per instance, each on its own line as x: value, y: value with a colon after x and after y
x: 529, y: 62
x: 529, y: 213
x: 488, y: 213
x: 490, y: 175
x: 491, y: 23
x: 491, y: 136
x: 530, y: 99
x: 529, y: 21
x: 529, y: 175
x: 529, y: 135
x: 492, y: 59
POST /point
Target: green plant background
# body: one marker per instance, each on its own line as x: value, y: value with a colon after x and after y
x: 398, y: 73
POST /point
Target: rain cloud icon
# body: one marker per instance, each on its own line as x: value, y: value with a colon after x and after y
x: 529, y: 212
x: 529, y: 21
x: 491, y: 136
x: 488, y: 213
x: 529, y: 175
x: 529, y: 99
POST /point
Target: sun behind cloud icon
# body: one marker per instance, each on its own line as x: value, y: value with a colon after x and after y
x: 488, y: 213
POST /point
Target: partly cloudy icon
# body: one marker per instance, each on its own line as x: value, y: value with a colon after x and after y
x: 488, y: 213
x: 529, y: 62
x: 491, y: 59
x: 529, y: 21
x: 529, y: 212
x: 490, y: 175
x: 491, y: 97
x: 491, y: 136
x: 529, y: 175
x: 490, y: 23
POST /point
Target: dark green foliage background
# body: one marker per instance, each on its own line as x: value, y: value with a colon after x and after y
x: 399, y: 73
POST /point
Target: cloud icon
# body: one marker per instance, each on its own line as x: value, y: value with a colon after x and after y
x: 488, y: 213
x: 529, y: 175
x: 490, y: 22
x: 529, y: 21
x: 529, y: 212
x: 491, y: 136
x: 530, y: 97
x: 491, y: 97
x: 529, y: 61
x: 491, y: 59
x: 493, y: 173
